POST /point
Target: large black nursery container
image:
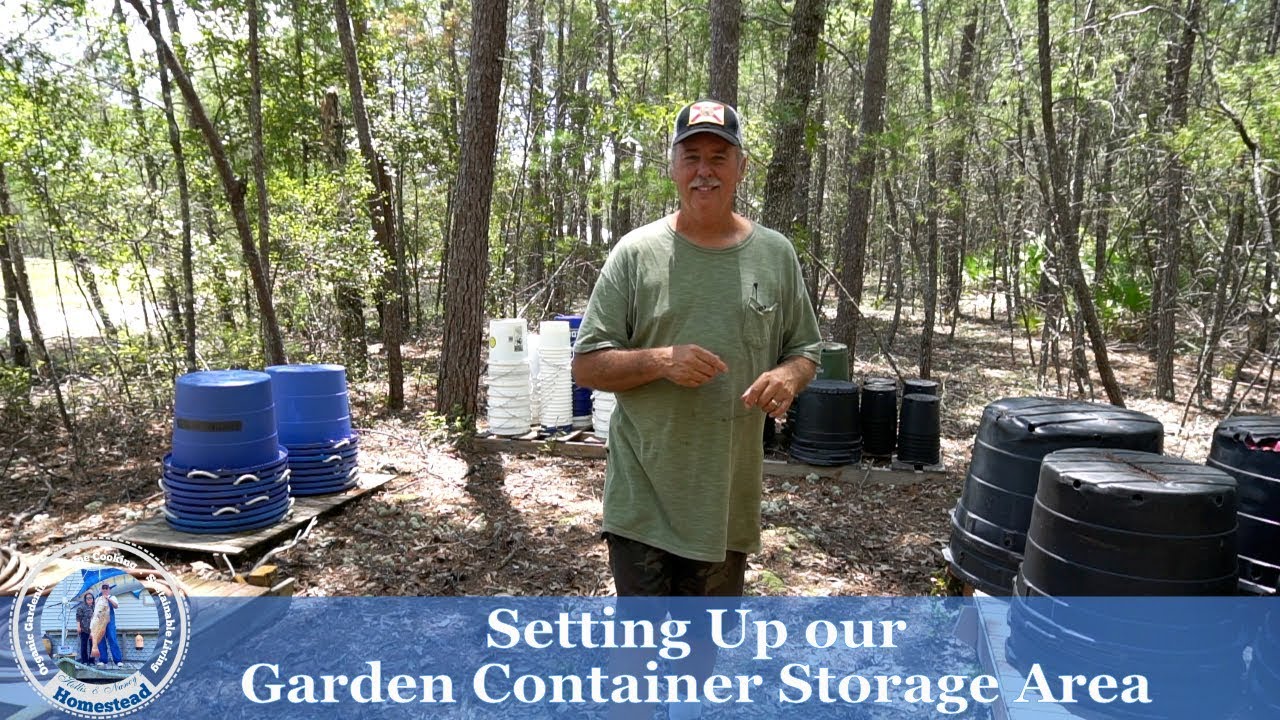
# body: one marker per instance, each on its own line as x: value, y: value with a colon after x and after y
x: 989, y: 523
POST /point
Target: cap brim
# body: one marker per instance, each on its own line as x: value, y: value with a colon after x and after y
x: 691, y: 131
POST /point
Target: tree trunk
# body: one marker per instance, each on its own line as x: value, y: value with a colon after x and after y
x: 8, y: 236
x: 853, y: 239
x: 381, y: 213
x: 1061, y: 213
x: 784, y: 182
x: 930, y: 204
x: 468, y: 244
x: 1165, y: 300
x: 232, y: 186
x: 726, y: 31
x: 184, y: 208
x: 23, y: 287
x: 346, y: 287
x: 255, y: 142
x: 953, y: 228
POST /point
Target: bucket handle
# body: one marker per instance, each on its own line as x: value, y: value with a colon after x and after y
x: 353, y: 472
x: 257, y: 500
x: 284, y: 476
x: 247, y: 477
x: 202, y: 474
x: 341, y: 443
x: 333, y: 458
x: 226, y: 511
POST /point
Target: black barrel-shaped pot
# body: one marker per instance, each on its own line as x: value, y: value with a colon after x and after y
x: 919, y: 386
x: 1110, y: 523
x: 920, y: 429
x: 879, y: 419
x: 826, y: 428
x: 1248, y: 449
x: 989, y: 523
x: 1122, y: 522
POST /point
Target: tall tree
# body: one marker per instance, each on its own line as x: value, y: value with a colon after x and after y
x: 930, y: 201
x: 726, y: 32
x: 861, y: 176
x: 784, y: 185
x: 459, y: 381
x: 8, y: 221
x: 1165, y: 300
x: 953, y: 227
x: 22, y: 286
x: 255, y: 140
x: 381, y: 210
x: 1060, y: 212
x: 174, y: 135
x: 232, y: 187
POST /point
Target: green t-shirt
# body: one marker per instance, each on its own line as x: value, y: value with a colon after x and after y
x: 684, y: 470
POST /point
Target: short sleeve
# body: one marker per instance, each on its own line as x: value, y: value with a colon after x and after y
x: 606, y: 323
x: 800, y: 335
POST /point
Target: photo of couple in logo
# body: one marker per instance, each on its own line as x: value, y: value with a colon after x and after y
x: 100, y: 625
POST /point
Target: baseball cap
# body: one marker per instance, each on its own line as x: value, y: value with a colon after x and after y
x: 711, y: 116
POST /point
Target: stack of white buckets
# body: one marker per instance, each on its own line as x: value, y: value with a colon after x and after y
x: 508, y: 378
x: 530, y: 377
x: 602, y: 404
x: 554, y: 382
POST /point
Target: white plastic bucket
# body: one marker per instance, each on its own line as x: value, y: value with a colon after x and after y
x: 507, y: 340
x: 555, y: 334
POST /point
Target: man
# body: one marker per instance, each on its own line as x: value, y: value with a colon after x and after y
x: 109, y: 636
x: 701, y: 325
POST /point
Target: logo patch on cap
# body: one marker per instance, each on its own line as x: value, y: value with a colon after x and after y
x: 706, y: 112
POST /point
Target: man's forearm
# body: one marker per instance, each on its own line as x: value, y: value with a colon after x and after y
x: 802, y: 369
x: 614, y: 370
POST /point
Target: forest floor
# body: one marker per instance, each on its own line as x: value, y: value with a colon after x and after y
x: 459, y: 522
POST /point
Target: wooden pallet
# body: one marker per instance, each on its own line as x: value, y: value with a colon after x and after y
x: 155, y: 532
x: 594, y: 449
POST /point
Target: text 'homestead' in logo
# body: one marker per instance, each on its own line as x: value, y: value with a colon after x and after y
x: 104, y: 636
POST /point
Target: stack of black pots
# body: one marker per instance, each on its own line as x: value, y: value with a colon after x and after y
x: 825, y: 423
x: 920, y: 425
x: 879, y: 417
x: 1111, y: 523
x: 989, y: 523
x: 1246, y: 448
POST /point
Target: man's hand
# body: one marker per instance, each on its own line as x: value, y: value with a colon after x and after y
x: 775, y: 390
x: 691, y: 365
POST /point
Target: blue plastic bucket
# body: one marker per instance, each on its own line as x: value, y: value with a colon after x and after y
x: 221, y: 393
x: 314, y: 431
x: 581, y: 395
x: 225, y: 457
x: 293, y: 380
x: 295, y: 408
x: 223, y: 419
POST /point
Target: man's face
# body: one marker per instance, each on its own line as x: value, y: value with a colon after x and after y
x: 707, y: 169
x: 106, y: 591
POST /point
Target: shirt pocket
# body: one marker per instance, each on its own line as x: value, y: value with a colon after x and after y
x: 758, y: 323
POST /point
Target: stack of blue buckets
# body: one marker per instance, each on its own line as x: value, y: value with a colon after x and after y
x: 313, y: 415
x: 227, y: 471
